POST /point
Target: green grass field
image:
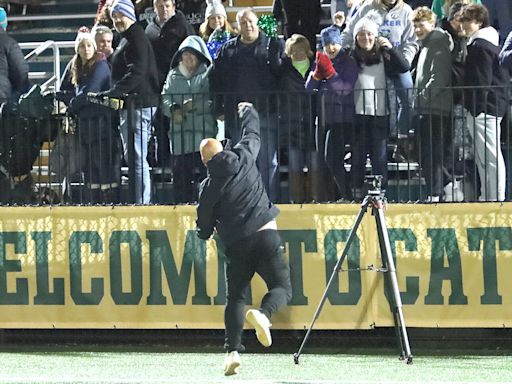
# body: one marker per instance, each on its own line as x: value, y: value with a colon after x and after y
x: 164, y: 364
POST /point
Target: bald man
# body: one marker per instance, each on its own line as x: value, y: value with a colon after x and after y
x: 233, y: 202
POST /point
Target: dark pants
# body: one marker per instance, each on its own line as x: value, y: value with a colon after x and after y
x: 370, y: 138
x: 188, y: 171
x: 334, y: 156
x: 260, y: 253
x: 435, y: 136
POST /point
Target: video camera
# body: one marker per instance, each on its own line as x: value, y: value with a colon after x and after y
x: 374, y: 183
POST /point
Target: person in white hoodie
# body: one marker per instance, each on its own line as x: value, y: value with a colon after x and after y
x: 486, y: 101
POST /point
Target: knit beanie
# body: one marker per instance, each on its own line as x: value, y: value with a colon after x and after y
x: 3, y: 18
x: 366, y: 24
x: 125, y: 7
x: 84, y: 34
x: 215, y: 7
x: 330, y: 35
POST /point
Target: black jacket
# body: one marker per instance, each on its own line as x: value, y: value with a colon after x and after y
x: 483, y: 69
x: 166, y: 40
x: 134, y: 68
x: 459, y: 53
x: 232, y: 198
x: 13, y: 69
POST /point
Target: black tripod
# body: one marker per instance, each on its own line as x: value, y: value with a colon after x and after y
x: 376, y: 201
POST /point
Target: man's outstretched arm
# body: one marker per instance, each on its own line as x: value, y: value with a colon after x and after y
x: 250, y: 123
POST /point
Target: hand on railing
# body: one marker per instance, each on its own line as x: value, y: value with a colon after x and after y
x: 102, y: 98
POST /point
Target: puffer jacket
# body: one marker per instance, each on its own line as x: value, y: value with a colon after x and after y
x: 198, y: 122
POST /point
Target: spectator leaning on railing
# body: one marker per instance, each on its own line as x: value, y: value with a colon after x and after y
x: 434, y: 99
x: 486, y: 101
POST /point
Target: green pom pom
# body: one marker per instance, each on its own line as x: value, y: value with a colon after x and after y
x: 268, y: 24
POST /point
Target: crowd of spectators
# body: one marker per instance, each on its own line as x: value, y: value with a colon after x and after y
x: 382, y: 71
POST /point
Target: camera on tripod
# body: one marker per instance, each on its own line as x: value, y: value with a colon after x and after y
x: 374, y: 183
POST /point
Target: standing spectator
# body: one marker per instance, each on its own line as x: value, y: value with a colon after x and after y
x: 394, y: 20
x: 441, y: 7
x: 194, y: 11
x: 166, y: 32
x: 434, y: 99
x: 451, y: 23
x: 234, y: 204
x: 299, y: 16
x: 247, y: 69
x: 486, y: 103
x: 334, y: 77
x: 186, y: 101
x: 103, y: 37
x: 134, y: 72
x: 215, y: 17
x: 376, y: 58
x: 13, y: 67
x: 506, y: 52
x: 297, y: 115
x: 348, y: 7
x: 96, y: 125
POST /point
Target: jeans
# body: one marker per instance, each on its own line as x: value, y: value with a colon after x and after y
x: 260, y: 253
x: 142, y: 131
x: 404, y: 100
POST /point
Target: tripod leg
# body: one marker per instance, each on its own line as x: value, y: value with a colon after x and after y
x: 337, y: 267
x: 387, y: 259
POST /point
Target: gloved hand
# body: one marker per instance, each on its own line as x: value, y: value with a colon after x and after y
x: 324, y: 69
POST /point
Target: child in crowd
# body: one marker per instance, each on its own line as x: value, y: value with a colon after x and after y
x: 334, y: 76
x: 216, y: 29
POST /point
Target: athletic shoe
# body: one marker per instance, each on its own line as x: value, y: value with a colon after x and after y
x: 231, y: 363
x: 262, y: 325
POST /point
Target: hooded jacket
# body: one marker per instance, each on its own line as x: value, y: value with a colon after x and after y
x: 395, y: 24
x: 198, y: 122
x: 434, y: 73
x: 13, y: 69
x: 483, y: 69
x: 166, y: 39
x: 232, y: 199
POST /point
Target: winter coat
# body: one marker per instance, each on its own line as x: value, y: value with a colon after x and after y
x: 434, y: 74
x: 296, y: 106
x: 232, y: 199
x: 94, y: 121
x: 194, y: 11
x: 13, y: 69
x: 198, y: 123
x: 459, y: 53
x: 370, y: 96
x: 483, y: 69
x: 166, y: 40
x: 506, y: 52
x: 394, y: 24
x: 134, y: 69
x: 335, y: 100
x: 246, y: 72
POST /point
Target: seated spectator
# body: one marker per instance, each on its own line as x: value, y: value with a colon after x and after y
x: 433, y: 100
x: 486, y: 100
x: 376, y: 58
x: 506, y: 52
x: 334, y: 76
x: 185, y: 100
x: 96, y: 124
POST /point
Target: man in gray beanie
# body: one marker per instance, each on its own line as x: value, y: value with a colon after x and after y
x: 134, y: 72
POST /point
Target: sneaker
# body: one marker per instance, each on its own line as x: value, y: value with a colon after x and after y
x: 231, y: 363
x: 433, y: 199
x: 262, y: 325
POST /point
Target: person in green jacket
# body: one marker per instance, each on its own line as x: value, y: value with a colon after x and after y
x: 441, y: 7
x: 186, y: 101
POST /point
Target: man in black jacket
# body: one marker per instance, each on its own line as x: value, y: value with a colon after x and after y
x: 134, y: 72
x: 166, y: 32
x: 233, y: 202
